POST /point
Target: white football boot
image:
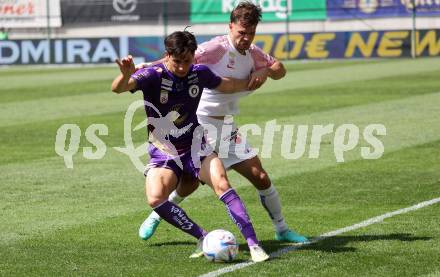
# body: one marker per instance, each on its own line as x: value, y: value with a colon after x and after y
x: 258, y: 254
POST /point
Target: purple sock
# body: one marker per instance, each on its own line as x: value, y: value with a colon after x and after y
x: 238, y: 213
x: 177, y: 217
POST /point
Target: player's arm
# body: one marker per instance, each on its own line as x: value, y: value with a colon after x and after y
x: 222, y: 84
x: 149, y: 64
x: 231, y: 85
x: 265, y: 66
x: 123, y: 82
x: 276, y: 71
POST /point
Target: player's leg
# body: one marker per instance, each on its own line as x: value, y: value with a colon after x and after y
x: 253, y: 170
x: 213, y: 173
x: 187, y: 185
x: 158, y: 185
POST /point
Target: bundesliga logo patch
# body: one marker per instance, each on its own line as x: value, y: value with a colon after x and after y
x: 163, y: 96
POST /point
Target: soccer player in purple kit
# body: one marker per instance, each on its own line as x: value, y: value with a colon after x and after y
x: 235, y: 55
x: 175, y: 86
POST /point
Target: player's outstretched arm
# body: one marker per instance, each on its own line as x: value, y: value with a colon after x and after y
x: 231, y: 85
x: 123, y: 82
x: 149, y: 64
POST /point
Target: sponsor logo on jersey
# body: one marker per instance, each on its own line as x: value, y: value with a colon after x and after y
x: 193, y: 81
x: 193, y: 91
x: 181, y: 114
x: 238, y: 139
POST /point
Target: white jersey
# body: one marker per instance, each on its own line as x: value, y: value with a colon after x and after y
x: 220, y: 55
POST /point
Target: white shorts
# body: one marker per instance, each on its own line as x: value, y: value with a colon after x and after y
x: 223, y: 136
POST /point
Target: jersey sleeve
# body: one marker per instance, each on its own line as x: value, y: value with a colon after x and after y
x: 207, y: 78
x: 261, y: 59
x: 211, y: 52
x: 144, y: 78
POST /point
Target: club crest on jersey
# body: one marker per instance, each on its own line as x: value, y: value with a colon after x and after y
x: 231, y: 61
x: 193, y: 91
x: 163, y: 96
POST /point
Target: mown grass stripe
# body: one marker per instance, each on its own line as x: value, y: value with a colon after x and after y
x: 409, y: 121
x: 25, y: 112
x: 55, y: 77
x: 98, y: 103
x: 24, y: 84
x: 358, y: 72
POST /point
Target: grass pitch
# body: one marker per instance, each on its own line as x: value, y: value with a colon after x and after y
x: 84, y: 221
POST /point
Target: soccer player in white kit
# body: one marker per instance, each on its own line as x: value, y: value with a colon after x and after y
x: 234, y: 55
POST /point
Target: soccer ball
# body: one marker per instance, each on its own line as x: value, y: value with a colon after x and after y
x: 220, y: 246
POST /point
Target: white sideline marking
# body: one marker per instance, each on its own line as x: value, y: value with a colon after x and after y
x: 364, y: 223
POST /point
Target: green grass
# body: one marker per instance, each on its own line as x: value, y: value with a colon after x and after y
x: 84, y: 221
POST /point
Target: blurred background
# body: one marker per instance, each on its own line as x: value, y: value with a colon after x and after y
x: 98, y: 31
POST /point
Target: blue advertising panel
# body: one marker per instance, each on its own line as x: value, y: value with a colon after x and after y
x: 351, y: 9
x: 328, y: 45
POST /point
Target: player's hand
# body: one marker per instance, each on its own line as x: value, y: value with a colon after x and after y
x: 126, y: 65
x: 258, y: 78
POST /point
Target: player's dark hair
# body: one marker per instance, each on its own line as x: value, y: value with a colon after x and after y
x: 180, y: 42
x: 246, y: 13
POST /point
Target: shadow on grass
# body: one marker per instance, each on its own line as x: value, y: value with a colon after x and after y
x: 335, y: 244
x: 183, y: 243
x: 173, y: 243
x: 338, y: 243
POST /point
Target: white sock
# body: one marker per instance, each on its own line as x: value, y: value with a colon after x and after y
x: 173, y: 197
x: 271, y: 202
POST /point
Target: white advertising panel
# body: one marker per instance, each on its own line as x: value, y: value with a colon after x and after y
x: 29, y: 13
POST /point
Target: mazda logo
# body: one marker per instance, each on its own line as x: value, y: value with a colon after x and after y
x: 124, y: 6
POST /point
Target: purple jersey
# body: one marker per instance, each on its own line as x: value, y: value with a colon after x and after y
x: 171, y: 103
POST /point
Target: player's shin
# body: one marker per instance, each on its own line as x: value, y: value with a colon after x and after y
x: 271, y: 202
x: 238, y: 213
x: 177, y: 217
x: 174, y: 197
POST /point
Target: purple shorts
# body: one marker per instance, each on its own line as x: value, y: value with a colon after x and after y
x: 181, y: 164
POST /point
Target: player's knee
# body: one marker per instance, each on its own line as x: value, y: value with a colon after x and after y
x: 261, y: 179
x: 153, y: 202
x: 221, y: 186
x: 262, y: 176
